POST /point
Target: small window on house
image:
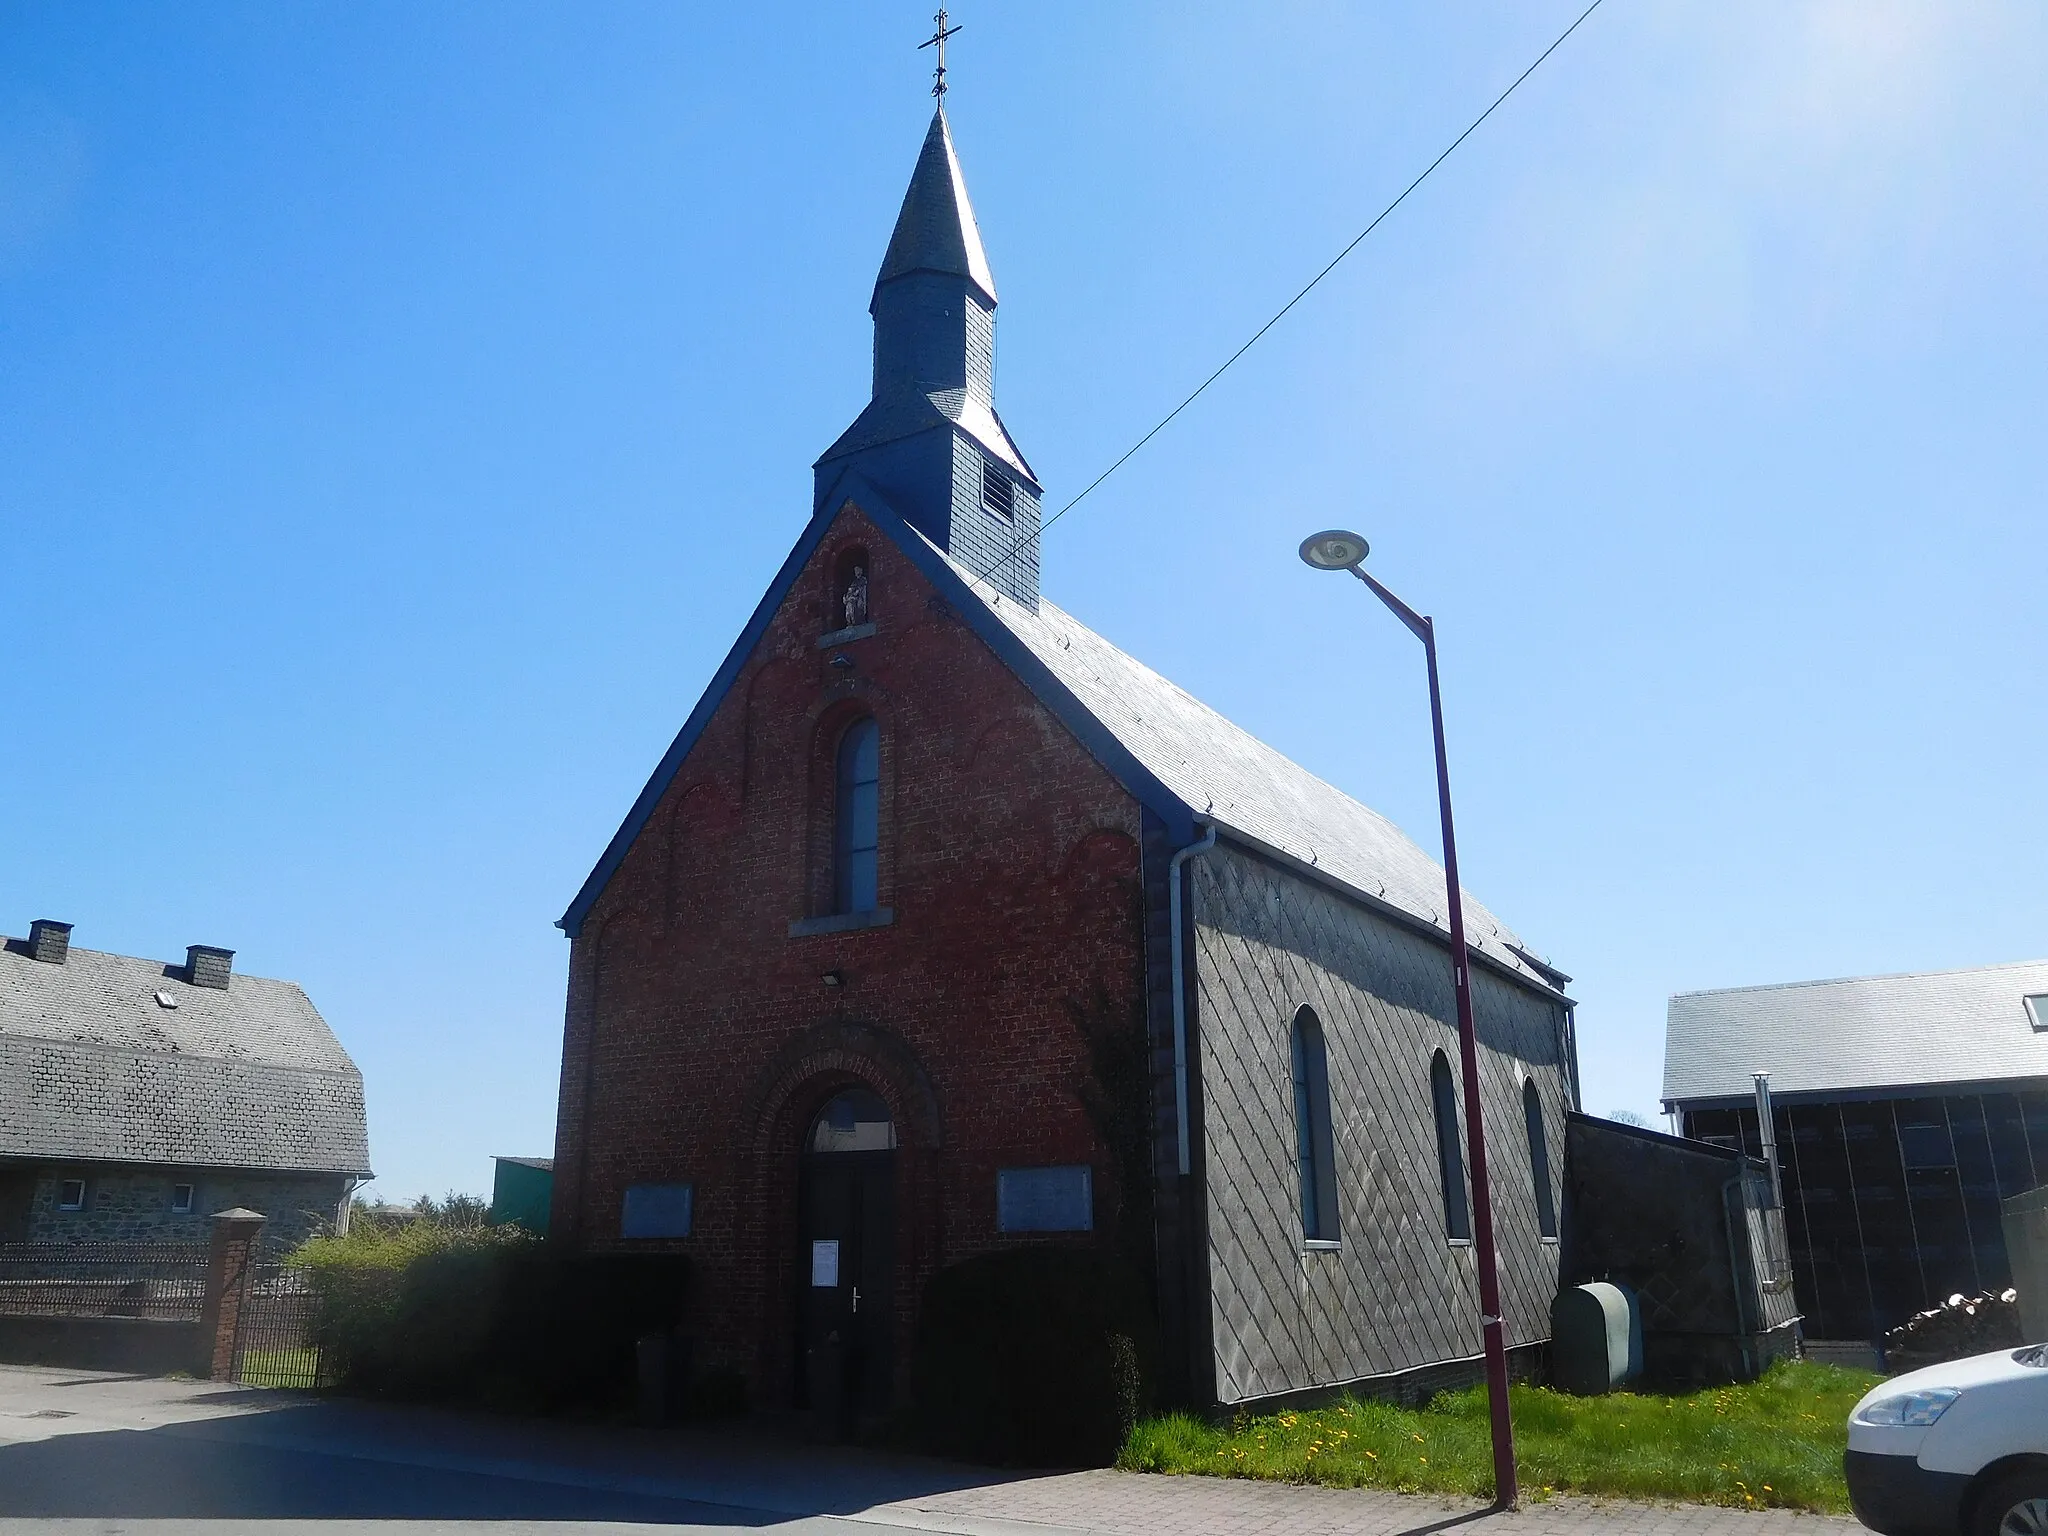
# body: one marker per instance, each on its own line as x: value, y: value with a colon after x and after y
x: 998, y: 490
x: 857, y: 818
x: 1539, y: 1160
x: 2037, y: 1010
x: 71, y: 1194
x: 1314, y: 1152
x: 181, y: 1199
x: 1450, y: 1160
x: 849, y: 591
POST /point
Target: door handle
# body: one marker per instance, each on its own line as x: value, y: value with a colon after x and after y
x: 856, y: 1298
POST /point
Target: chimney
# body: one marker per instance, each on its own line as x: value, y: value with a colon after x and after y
x: 206, y: 966
x: 49, y: 940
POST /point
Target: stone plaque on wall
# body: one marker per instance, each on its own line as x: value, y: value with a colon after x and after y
x: 1045, y: 1199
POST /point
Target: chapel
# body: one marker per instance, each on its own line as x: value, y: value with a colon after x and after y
x: 945, y: 927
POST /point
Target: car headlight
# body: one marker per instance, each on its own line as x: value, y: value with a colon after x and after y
x: 1911, y: 1410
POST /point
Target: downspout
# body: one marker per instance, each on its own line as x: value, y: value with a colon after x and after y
x: 1180, y: 988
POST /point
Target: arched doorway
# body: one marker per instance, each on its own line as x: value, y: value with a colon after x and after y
x: 846, y: 1202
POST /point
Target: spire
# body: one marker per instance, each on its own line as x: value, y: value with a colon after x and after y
x: 935, y: 230
x: 930, y: 439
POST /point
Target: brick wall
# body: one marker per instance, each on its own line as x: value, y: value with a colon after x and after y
x: 127, y: 1204
x: 700, y: 1036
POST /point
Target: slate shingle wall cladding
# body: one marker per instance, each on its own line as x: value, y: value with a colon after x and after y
x: 1397, y: 1295
x: 981, y: 539
x: 134, y: 1204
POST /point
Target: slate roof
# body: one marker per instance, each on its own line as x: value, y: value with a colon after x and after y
x: 935, y: 228
x: 93, y: 1068
x: 1226, y: 775
x: 1860, y: 1035
x: 1173, y: 752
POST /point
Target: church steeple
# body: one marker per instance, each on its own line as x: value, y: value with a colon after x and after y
x: 930, y: 438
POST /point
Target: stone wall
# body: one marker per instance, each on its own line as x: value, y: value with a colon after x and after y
x: 124, y: 1204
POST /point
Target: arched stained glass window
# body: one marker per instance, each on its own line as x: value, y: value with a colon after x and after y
x: 857, y: 818
x: 1539, y: 1160
x: 1315, y: 1151
x: 1450, y: 1159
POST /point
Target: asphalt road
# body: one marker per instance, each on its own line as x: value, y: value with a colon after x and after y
x: 94, y: 1455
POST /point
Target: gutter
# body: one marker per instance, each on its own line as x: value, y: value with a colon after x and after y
x: 1180, y: 987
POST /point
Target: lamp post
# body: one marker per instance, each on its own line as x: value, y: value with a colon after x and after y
x: 1337, y: 550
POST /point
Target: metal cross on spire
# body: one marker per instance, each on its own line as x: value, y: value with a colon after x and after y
x: 938, y: 40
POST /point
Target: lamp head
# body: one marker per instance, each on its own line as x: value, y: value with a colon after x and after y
x: 1334, y: 550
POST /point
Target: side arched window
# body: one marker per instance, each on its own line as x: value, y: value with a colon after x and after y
x: 1450, y: 1160
x: 856, y: 808
x: 1539, y: 1160
x: 1315, y: 1152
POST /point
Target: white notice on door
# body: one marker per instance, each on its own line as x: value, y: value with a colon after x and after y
x: 825, y: 1262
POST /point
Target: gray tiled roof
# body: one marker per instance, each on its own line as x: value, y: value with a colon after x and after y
x: 1227, y: 775
x: 935, y: 228
x: 1857, y: 1034
x: 92, y: 1067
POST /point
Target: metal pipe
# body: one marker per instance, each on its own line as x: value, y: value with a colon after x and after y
x: 1777, y: 1253
x: 1180, y: 1006
x: 1767, y: 1132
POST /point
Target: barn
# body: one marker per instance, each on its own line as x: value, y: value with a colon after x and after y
x: 946, y: 928
x: 1905, y: 1108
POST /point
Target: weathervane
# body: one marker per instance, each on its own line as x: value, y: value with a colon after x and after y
x: 938, y: 40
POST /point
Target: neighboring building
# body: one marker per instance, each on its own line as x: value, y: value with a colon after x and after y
x: 137, y: 1098
x: 880, y: 971
x: 1905, y: 1108
x: 522, y: 1190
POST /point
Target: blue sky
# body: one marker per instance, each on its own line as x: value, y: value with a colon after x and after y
x: 401, y: 409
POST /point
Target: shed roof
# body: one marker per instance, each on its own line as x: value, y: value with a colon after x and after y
x: 1858, y: 1034
x: 94, y: 1068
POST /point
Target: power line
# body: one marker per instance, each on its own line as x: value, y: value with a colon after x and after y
x: 1165, y: 421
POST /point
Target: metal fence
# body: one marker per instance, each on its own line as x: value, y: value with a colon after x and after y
x: 278, y: 1340
x: 164, y: 1282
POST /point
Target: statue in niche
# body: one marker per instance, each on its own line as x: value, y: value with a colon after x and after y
x: 855, y: 600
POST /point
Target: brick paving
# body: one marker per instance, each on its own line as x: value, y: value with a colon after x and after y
x: 1136, y: 1504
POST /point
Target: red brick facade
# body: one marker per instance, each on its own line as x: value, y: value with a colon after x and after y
x: 701, y: 1036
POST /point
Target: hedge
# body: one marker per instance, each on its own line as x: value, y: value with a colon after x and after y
x: 1033, y: 1357
x: 492, y: 1315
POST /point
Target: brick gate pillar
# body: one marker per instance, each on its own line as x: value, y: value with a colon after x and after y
x: 228, y: 1268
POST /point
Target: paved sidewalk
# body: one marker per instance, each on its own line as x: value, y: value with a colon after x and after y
x: 84, y: 1451
x: 1135, y: 1504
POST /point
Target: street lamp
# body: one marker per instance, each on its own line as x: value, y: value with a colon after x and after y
x: 1337, y: 550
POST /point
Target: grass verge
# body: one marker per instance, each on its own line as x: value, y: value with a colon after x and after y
x: 1773, y: 1443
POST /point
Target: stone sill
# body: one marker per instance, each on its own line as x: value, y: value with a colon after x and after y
x: 841, y: 636
x: 842, y: 922
x: 1322, y: 1245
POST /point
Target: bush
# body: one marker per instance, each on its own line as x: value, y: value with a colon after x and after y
x: 1034, y: 1357
x: 490, y: 1314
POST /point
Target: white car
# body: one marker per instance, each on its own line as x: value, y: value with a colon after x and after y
x: 1955, y: 1450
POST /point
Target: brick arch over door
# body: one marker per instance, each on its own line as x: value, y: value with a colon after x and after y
x: 808, y: 1070
x: 826, y: 1057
